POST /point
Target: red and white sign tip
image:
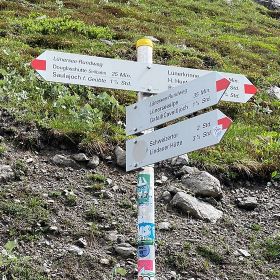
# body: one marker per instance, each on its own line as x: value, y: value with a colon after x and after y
x: 225, y: 122
x: 39, y: 64
x: 222, y: 84
x: 250, y: 89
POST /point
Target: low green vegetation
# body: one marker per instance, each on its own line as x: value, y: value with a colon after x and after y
x: 98, y: 182
x: 2, y: 149
x: 256, y: 227
x: 242, y: 38
x: 125, y: 203
x: 93, y: 215
x: 14, y: 266
x: 29, y: 213
x: 271, y: 248
x: 210, y: 254
x: 96, y: 177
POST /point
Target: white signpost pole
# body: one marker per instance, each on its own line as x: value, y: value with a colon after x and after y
x: 145, y: 190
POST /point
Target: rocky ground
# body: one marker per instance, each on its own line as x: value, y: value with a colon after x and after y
x: 75, y: 216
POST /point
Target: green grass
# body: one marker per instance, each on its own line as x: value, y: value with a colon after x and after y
x: 202, y: 34
x: 96, y: 177
x: 15, y: 266
x: 271, y: 248
x: 2, y: 149
x: 29, y: 216
x: 210, y: 254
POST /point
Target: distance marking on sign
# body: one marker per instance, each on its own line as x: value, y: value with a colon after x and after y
x: 103, y: 72
x: 180, y: 138
x: 183, y: 100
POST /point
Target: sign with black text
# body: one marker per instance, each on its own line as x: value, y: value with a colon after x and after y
x: 202, y: 131
x: 103, y: 72
x: 177, y: 102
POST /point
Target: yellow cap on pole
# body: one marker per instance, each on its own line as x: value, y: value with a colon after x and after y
x: 144, y: 42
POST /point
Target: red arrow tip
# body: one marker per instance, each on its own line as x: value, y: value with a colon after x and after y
x: 222, y: 84
x: 39, y: 64
x: 250, y: 89
x: 225, y: 122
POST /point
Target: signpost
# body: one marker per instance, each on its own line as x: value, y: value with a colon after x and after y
x: 176, y: 102
x: 180, y: 138
x: 103, y: 72
x: 180, y: 92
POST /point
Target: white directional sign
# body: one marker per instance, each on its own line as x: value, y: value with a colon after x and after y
x: 180, y: 101
x: 183, y: 137
x: 128, y: 75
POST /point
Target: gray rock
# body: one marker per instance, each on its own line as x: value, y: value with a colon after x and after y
x: 201, y: 210
x: 94, y: 162
x: 173, y: 275
x: 109, y: 181
x: 247, y: 203
x: 106, y: 194
x: 6, y: 173
x: 244, y: 253
x: 104, y: 261
x: 64, y: 161
x: 125, y: 250
x: 107, y: 42
x: 164, y: 178
x: 180, y: 160
x: 277, y: 217
x: 29, y: 160
x: 113, y: 236
x: 174, y: 189
x: 203, y: 184
x: 54, y: 229
x: 164, y: 226
x: 75, y: 249
x: 81, y: 157
x: 120, y: 156
x: 81, y: 242
x: 152, y: 38
x: 166, y: 196
x: 274, y: 92
x: 270, y: 4
x: 188, y: 170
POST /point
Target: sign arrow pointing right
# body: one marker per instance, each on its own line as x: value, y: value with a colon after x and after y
x: 177, y: 102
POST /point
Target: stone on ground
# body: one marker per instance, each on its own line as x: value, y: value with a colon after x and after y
x: 196, y: 208
x: 6, y: 173
x: 64, y: 161
x: 203, y: 184
x: 120, y: 157
x: 247, y: 203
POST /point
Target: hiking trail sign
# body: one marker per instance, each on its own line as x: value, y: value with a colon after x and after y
x: 192, y: 134
x: 177, y: 102
x: 103, y: 72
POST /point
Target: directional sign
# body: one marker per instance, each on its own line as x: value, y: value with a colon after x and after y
x: 183, y: 137
x: 176, y: 102
x: 129, y: 75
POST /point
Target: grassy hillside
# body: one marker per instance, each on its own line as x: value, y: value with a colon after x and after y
x: 242, y: 38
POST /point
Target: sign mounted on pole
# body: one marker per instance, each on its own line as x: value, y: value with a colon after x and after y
x: 129, y: 75
x: 202, y: 131
x: 176, y: 102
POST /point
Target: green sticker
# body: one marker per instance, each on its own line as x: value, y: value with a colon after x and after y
x: 143, y: 189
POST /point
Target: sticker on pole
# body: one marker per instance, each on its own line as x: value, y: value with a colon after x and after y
x: 143, y: 189
x: 146, y: 232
